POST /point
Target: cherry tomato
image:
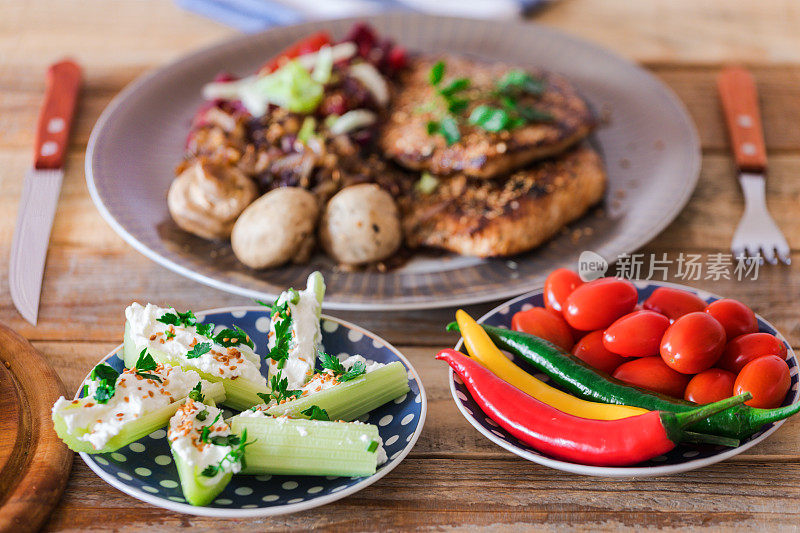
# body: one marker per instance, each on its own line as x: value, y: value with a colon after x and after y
x: 545, y: 324
x: 653, y: 374
x: 693, y: 343
x: 742, y: 349
x: 710, y: 386
x: 674, y: 303
x: 309, y: 44
x: 558, y: 285
x: 637, y: 334
x: 597, y: 304
x: 590, y: 350
x: 767, y: 379
x: 735, y: 317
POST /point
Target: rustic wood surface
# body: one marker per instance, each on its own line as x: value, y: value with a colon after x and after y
x: 454, y: 478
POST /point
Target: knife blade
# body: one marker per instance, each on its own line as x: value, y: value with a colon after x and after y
x: 41, y: 189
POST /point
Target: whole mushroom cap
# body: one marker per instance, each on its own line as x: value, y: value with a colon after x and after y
x: 277, y: 228
x: 205, y: 199
x: 361, y: 225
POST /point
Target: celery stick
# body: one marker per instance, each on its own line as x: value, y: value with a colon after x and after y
x: 351, y: 399
x: 240, y: 393
x: 195, y: 488
x: 193, y: 455
x: 131, y: 431
x: 285, y: 446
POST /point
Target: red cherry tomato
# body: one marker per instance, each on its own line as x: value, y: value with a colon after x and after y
x: 742, y: 349
x: 597, y: 304
x: 309, y: 44
x: 709, y: 386
x: 558, y: 285
x: 637, y: 334
x: 545, y: 324
x: 674, y: 303
x: 590, y: 350
x: 767, y: 379
x: 735, y: 317
x: 651, y: 373
x: 693, y: 343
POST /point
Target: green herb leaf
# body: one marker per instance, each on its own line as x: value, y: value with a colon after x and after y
x: 145, y: 375
x: 280, y: 390
x: 315, y: 412
x: 178, y: 319
x: 198, y: 350
x: 264, y: 396
x: 233, y: 337
x: 202, y: 415
x: 204, y: 432
x: 372, y: 446
x: 331, y: 362
x: 210, y: 471
x: 107, y: 380
x: 145, y: 361
x: 448, y: 127
x: 169, y: 334
x: 196, y: 393
x: 225, y: 440
x: 358, y: 369
x: 455, y: 86
x: 531, y: 114
x: 457, y: 106
x: 489, y: 118
x: 437, y: 73
x: 519, y: 81
x: 205, y: 329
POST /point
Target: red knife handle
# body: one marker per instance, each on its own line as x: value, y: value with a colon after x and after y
x: 737, y: 90
x: 55, y: 116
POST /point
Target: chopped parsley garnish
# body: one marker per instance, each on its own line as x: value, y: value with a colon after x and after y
x: 198, y: 350
x: 283, y: 335
x: 147, y: 375
x: 315, y: 412
x: 332, y: 363
x: 204, y: 432
x: 234, y: 456
x: 372, y: 446
x: 107, y: 380
x: 233, y: 337
x: 502, y: 111
x: 178, y: 319
x: 145, y: 363
x: 169, y: 334
x: 280, y: 390
x: 358, y: 369
x: 205, y: 329
x: 202, y: 415
x: 196, y: 394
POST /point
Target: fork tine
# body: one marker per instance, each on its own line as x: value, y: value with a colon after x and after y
x: 769, y: 254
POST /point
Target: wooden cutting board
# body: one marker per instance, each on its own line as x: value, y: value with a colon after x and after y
x: 34, y: 463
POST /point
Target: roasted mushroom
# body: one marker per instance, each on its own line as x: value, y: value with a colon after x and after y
x: 360, y: 225
x: 206, y: 198
x: 276, y: 228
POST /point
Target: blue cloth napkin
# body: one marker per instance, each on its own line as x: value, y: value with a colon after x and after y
x: 255, y: 15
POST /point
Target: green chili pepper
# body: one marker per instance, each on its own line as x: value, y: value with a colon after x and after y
x: 575, y: 376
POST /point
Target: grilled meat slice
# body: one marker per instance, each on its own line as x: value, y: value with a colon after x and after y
x: 479, y: 153
x: 489, y: 218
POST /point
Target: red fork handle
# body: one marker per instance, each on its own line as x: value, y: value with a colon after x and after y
x: 737, y: 90
x: 55, y: 116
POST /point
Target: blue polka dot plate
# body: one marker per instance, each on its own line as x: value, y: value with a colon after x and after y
x: 145, y: 469
x: 681, y: 459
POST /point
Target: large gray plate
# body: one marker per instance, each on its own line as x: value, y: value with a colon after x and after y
x: 650, y: 146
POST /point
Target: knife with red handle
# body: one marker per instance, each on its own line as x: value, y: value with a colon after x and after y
x: 41, y: 188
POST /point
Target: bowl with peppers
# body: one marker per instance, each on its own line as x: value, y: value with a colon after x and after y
x: 621, y: 378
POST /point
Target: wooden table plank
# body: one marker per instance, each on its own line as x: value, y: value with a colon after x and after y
x: 454, y: 478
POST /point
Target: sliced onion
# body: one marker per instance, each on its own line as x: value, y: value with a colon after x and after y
x: 372, y: 80
x: 353, y: 120
x: 339, y: 52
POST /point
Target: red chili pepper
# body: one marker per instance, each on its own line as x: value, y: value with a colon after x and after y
x: 310, y: 44
x: 620, y: 442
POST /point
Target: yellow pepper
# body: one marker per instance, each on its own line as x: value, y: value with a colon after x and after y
x: 483, y: 350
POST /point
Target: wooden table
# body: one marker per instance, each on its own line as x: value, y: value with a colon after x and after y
x: 454, y: 477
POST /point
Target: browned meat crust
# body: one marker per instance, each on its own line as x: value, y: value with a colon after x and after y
x: 479, y: 153
x: 489, y: 218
